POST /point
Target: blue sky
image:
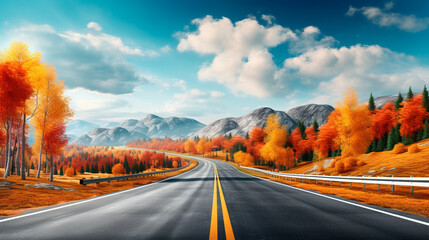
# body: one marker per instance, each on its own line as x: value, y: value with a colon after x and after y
x: 213, y: 59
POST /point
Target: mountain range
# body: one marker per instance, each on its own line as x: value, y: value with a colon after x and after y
x: 242, y: 125
x: 131, y: 129
x: 176, y: 128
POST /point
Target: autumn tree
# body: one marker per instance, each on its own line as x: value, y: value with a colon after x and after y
x: 15, y: 89
x: 118, y: 169
x: 353, y: 125
x: 31, y: 62
x: 326, y: 142
x: 53, y: 107
x: 273, y: 151
x: 55, y: 141
x: 411, y: 117
x: 243, y: 158
x: 201, y: 146
x: 190, y: 146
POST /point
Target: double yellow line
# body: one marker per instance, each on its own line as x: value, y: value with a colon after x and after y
x: 226, y: 221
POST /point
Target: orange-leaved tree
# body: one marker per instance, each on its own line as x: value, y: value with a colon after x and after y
x: 190, y: 146
x: 383, y: 120
x: 55, y: 140
x: 15, y: 89
x: 243, y: 158
x: 411, y: 116
x: 353, y: 125
x: 325, y: 142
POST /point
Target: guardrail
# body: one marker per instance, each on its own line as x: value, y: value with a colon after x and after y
x: 393, y: 181
x: 84, y: 181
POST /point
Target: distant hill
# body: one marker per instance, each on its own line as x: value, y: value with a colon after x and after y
x: 310, y: 112
x: 79, y: 127
x: 243, y: 125
x: 131, y: 129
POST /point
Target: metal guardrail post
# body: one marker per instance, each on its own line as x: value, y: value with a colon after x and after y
x: 393, y: 188
x: 363, y: 186
x: 412, y: 187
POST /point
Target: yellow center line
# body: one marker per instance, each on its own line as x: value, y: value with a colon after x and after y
x: 213, y: 225
x: 226, y: 220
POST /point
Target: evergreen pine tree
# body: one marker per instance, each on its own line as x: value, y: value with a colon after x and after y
x: 398, y: 101
x: 315, y: 126
x: 410, y: 94
x: 379, y: 147
x: 82, y: 171
x: 126, y: 166
x: 247, y: 135
x: 425, y: 98
x: 371, y: 103
x: 87, y: 168
x: 61, y: 171
x: 226, y: 158
x: 419, y: 135
x: 141, y: 167
x: 426, y: 130
x: 391, y: 140
x: 397, y: 133
x: 301, y: 127
x: 96, y: 169
x: 374, y: 145
x: 102, y: 169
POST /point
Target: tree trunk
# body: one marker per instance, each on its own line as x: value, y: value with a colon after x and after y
x: 17, y: 159
x: 23, y: 150
x: 51, y: 174
x: 8, y: 139
x: 39, y: 165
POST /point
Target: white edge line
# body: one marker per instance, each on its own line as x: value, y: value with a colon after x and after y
x: 343, y: 201
x: 91, y: 199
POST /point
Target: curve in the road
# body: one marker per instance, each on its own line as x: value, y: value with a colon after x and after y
x: 188, y: 205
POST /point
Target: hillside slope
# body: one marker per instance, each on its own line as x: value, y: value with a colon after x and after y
x: 377, y: 164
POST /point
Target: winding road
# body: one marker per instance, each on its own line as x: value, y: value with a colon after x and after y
x: 214, y: 201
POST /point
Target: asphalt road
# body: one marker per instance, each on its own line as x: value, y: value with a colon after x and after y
x: 184, y: 207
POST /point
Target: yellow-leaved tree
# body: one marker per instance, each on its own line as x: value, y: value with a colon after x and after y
x: 243, y: 158
x: 353, y: 125
x: 201, y: 146
x: 53, y: 108
x: 30, y: 62
x: 273, y: 151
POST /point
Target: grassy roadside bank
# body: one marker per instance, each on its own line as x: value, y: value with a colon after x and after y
x: 400, y: 200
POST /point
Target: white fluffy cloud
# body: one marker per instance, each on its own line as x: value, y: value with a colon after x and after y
x: 243, y: 62
x: 91, y: 60
x: 382, y: 18
x: 95, y: 26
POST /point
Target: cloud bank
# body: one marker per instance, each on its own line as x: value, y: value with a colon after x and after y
x: 91, y: 59
x: 243, y: 60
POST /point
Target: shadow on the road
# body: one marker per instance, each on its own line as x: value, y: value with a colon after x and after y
x: 211, y: 179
